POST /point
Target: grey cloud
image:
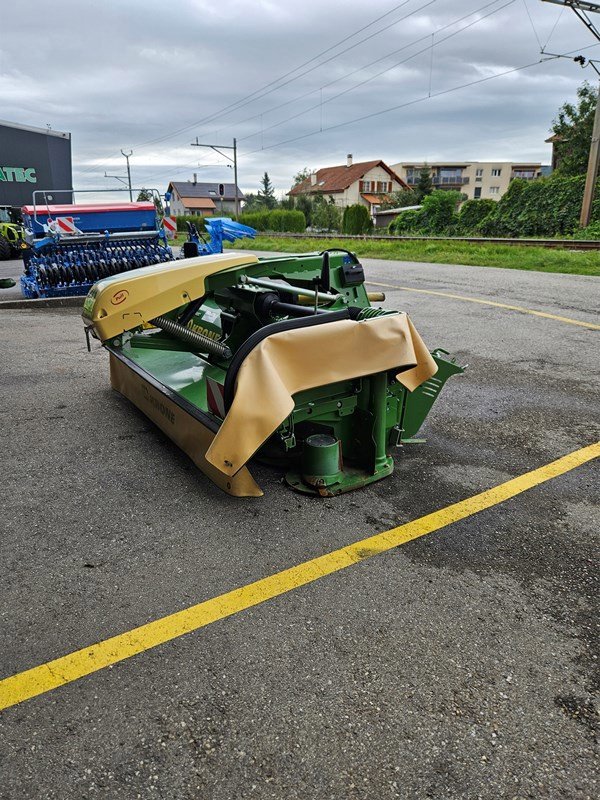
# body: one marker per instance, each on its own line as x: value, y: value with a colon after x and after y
x: 119, y: 74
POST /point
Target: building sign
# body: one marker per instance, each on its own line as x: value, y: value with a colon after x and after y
x: 33, y: 159
x: 19, y: 174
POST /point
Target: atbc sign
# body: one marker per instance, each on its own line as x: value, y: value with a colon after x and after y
x: 18, y: 174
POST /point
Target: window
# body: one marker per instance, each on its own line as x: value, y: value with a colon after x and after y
x: 527, y: 174
x: 478, y: 172
x: 477, y: 193
x: 364, y: 186
x: 494, y: 190
x: 496, y: 172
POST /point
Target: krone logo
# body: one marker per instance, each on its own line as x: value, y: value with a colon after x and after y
x: 119, y: 297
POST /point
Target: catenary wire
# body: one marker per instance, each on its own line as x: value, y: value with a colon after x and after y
x: 412, y: 102
x: 245, y: 101
x: 427, y: 36
x: 388, y: 69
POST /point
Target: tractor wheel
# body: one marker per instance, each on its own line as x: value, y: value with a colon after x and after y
x: 5, y: 249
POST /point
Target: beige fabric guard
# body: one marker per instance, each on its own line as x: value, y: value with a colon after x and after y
x: 292, y: 361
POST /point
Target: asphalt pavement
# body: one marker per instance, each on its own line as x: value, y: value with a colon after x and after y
x: 460, y: 665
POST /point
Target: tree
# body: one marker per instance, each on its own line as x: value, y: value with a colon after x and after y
x: 325, y: 214
x: 424, y: 184
x: 148, y: 196
x: 305, y: 204
x: 267, y: 194
x: 573, y: 131
x: 252, y: 203
x: 302, y: 175
x: 356, y: 220
x: 438, y: 212
x: 287, y: 203
x: 400, y: 199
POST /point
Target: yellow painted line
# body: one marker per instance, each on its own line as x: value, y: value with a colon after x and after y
x: 592, y: 326
x: 71, y: 667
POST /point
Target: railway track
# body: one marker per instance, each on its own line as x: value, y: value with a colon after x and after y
x: 564, y: 244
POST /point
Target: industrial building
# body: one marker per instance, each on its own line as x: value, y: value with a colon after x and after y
x: 33, y: 159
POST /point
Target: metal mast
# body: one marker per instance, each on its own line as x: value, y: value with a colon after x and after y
x: 581, y: 8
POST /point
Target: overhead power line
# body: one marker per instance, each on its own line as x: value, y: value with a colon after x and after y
x: 258, y: 94
x: 388, y: 69
x: 409, y: 103
x: 425, y: 37
x: 266, y: 89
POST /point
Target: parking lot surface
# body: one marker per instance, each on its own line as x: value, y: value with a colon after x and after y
x: 460, y: 664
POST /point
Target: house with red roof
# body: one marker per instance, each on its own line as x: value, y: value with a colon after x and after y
x: 366, y: 183
x: 203, y: 199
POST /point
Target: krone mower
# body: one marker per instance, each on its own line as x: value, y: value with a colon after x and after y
x: 283, y: 359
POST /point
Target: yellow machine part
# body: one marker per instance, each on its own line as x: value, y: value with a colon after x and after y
x: 188, y: 433
x: 121, y: 303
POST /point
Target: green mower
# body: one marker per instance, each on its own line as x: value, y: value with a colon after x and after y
x: 283, y: 359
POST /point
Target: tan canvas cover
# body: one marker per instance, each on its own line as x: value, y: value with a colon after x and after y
x: 292, y: 361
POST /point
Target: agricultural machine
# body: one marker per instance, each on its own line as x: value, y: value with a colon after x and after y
x: 12, y: 235
x: 73, y: 246
x: 284, y: 359
x: 218, y: 230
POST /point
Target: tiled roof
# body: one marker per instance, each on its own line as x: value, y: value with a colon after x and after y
x: 188, y: 189
x: 198, y: 202
x: 372, y: 198
x: 336, y: 179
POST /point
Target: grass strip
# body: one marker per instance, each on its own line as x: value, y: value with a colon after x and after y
x: 539, y: 259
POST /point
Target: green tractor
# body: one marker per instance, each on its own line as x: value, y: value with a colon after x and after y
x: 12, y: 234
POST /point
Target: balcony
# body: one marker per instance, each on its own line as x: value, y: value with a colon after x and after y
x: 450, y: 180
x: 525, y: 175
x: 440, y: 180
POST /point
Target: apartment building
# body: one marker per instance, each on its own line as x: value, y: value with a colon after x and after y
x: 476, y: 179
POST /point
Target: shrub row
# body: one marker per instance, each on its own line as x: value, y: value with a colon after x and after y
x: 278, y: 220
x: 545, y: 207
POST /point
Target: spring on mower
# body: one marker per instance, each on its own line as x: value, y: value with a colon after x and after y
x: 203, y: 343
x: 370, y: 313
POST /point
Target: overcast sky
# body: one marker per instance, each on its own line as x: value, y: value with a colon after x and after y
x: 290, y: 80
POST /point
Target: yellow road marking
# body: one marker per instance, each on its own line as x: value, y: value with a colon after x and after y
x: 522, y: 309
x: 45, y: 677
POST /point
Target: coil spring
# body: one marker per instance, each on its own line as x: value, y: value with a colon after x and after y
x: 203, y: 343
x: 371, y: 313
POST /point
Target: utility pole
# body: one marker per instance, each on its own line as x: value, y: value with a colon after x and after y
x: 121, y: 178
x: 127, y: 157
x: 581, y: 8
x: 592, y: 170
x: 217, y: 148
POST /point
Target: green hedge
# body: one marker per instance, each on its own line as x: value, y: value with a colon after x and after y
x: 278, y: 220
x: 436, y: 217
x: 356, y: 220
x: 544, y: 207
x: 195, y: 218
x: 472, y: 213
